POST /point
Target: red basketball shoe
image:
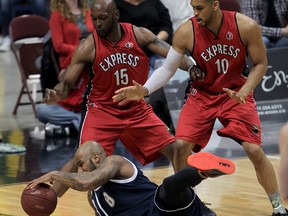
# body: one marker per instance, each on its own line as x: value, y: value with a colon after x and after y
x: 210, y: 165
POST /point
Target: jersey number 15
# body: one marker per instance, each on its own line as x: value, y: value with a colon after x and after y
x: 121, y: 77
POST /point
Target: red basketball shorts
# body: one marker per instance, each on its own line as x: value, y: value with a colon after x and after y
x: 199, y: 113
x: 140, y: 131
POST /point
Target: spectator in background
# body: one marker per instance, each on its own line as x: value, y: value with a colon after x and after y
x: 90, y: 2
x: 272, y: 16
x: 180, y: 11
x: 230, y: 5
x: 283, y: 165
x: 70, y: 22
x: 39, y: 7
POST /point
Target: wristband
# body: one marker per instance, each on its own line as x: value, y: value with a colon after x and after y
x: 146, y: 91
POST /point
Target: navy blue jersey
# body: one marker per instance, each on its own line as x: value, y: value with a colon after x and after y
x: 136, y: 196
x: 132, y: 196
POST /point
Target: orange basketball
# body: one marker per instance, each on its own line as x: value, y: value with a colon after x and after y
x: 39, y: 201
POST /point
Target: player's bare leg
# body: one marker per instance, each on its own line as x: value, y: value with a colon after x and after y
x: 168, y: 152
x: 265, y: 173
x: 182, y: 151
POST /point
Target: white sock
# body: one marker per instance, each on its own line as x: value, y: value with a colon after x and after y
x: 280, y: 209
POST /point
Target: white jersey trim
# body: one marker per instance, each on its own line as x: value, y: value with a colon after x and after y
x: 128, y: 180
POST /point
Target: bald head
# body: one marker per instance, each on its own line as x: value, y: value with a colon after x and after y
x: 90, y: 148
x: 105, y: 5
x: 105, y: 17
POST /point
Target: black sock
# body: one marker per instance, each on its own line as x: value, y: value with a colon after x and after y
x: 175, y: 190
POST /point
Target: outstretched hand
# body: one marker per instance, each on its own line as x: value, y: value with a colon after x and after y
x: 237, y: 96
x: 44, y: 178
x: 123, y: 95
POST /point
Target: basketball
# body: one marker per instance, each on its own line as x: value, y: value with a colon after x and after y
x: 39, y: 201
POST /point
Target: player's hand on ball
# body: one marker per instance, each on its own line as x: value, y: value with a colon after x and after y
x: 44, y: 178
x: 40, y: 200
x: 196, y: 73
x: 237, y: 96
x: 123, y: 95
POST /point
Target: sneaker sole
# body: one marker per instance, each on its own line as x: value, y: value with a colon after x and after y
x: 206, y: 161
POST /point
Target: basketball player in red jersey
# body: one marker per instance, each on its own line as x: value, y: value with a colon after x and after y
x: 218, y: 41
x: 115, y: 52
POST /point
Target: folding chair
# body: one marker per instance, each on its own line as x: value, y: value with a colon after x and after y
x: 26, y: 33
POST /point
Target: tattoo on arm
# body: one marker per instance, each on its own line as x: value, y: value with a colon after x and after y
x: 84, y: 181
x: 161, y: 43
x: 71, y: 180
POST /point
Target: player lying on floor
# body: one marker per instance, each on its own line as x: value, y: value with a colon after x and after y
x: 117, y: 187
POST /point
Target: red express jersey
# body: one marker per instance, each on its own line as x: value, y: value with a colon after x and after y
x: 115, y: 66
x: 222, y: 56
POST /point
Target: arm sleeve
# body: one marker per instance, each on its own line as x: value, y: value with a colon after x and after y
x: 163, y: 74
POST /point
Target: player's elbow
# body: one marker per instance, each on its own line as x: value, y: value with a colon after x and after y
x: 262, y: 67
x: 86, y: 185
x: 82, y: 186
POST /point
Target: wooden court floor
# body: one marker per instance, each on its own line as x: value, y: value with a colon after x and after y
x: 235, y: 195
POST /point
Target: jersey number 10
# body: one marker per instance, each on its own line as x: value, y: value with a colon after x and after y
x: 222, y: 65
